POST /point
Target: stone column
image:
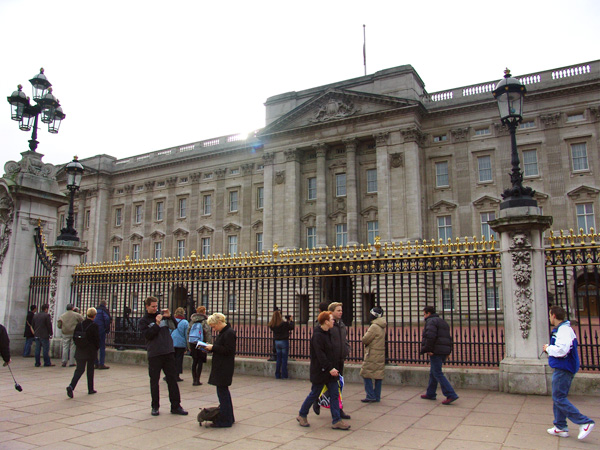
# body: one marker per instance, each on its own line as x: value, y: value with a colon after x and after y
x: 413, y: 197
x: 526, y: 328
x: 292, y: 199
x: 383, y: 187
x: 268, y: 159
x: 321, y: 219
x: 351, y: 191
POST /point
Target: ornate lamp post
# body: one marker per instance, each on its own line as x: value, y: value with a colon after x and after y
x: 509, y: 93
x: 560, y: 287
x: 46, y: 104
x: 74, y: 172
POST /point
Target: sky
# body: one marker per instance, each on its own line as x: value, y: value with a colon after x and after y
x: 135, y: 76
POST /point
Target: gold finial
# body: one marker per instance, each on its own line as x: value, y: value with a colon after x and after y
x: 127, y: 260
x: 193, y: 256
x: 275, y: 250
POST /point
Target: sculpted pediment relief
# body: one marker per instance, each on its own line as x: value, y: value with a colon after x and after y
x: 205, y: 230
x: 116, y: 239
x: 180, y: 232
x: 486, y: 202
x: 158, y: 235
x: 257, y: 225
x: 443, y: 206
x: 135, y: 237
x: 583, y: 191
x: 231, y: 227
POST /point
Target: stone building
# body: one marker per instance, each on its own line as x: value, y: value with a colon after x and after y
x: 340, y: 164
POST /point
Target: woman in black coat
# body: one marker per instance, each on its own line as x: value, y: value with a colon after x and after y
x: 223, y: 361
x: 86, y: 355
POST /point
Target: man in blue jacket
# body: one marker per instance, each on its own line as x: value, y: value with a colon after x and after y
x: 103, y: 321
x: 564, y: 359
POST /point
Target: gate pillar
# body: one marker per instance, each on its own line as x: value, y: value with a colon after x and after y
x: 526, y: 326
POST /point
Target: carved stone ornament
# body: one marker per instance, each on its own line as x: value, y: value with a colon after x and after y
x: 171, y: 182
x: 351, y: 144
x: 550, y: 120
x: 501, y: 129
x: 334, y: 109
x: 247, y: 168
x: 268, y: 158
x: 149, y: 185
x: 196, y: 177
x: 32, y: 164
x: 381, y: 138
x: 413, y: 135
x: 280, y: 177
x: 6, y: 222
x: 520, y: 250
x: 53, y: 287
x: 460, y: 134
x: 595, y: 112
x: 128, y: 188
x: 396, y: 160
x: 291, y: 154
x: 220, y: 173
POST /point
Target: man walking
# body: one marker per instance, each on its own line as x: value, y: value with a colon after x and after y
x: 563, y: 357
x: 339, y: 341
x: 42, y: 328
x: 67, y: 323
x: 103, y: 320
x: 437, y: 343
x: 161, y: 355
x: 28, y: 334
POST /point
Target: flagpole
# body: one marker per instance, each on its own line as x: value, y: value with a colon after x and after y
x: 365, y: 48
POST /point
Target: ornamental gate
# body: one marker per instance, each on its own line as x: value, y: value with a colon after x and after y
x: 39, y: 282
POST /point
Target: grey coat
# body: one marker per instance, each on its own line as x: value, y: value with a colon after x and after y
x: 374, y: 341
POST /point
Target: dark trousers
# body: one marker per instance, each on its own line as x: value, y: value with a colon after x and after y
x: 28, y: 345
x: 179, y: 354
x: 81, y: 363
x: 166, y: 363
x: 42, y: 343
x: 226, y: 418
x: 198, y: 358
x: 102, y: 350
x: 334, y: 400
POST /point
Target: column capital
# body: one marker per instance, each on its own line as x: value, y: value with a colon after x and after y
x: 320, y: 149
x: 381, y: 138
x: 268, y: 158
x: 351, y: 144
x: 291, y: 154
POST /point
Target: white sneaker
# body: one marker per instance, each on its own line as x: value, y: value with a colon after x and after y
x: 586, y: 429
x: 558, y: 432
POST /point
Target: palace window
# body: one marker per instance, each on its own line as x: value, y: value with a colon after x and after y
x: 138, y: 213
x: 259, y: 242
x: 585, y: 216
x: 312, y: 188
x: 182, y: 208
x: 341, y: 235
x: 205, y: 246
x: 260, y: 197
x: 233, y: 201
x: 484, y: 166
x: 530, y: 163
x: 579, y: 155
x: 486, y: 231
x: 181, y: 248
x: 371, y: 181
x: 118, y: 217
x: 340, y: 185
x: 444, y: 228
x: 116, y: 253
x: 207, y: 204
x: 440, y: 138
x: 160, y: 207
x: 87, y: 218
x: 482, y: 131
x: 575, y: 117
x: 232, y: 244
x: 135, y: 252
x: 157, y: 250
x: 441, y: 174
x: 372, y: 231
x: 527, y: 124
x: 311, y: 237
x: 492, y: 299
x: 447, y: 299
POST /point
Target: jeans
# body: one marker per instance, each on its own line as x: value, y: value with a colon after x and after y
x: 282, y: 347
x: 563, y: 408
x: 45, y: 344
x: 166, y: 363
x: 226, y: 418
x: 373, y: 394
x: 68, y: 350
x: 102, y: 350
x: 81, y: 363
x: 437, y: 376
x: 27, y: 348
x: 334, y: 400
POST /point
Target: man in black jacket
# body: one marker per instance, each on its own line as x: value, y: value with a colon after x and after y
x: 28, y: 334
x: 437, y: 343
x: 42, y: 327
x: 161, y: 355
x: 339, y: 340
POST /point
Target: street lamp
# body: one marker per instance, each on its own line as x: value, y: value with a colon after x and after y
x: 46, y: 104
x: 509, y: 93
x: 560, y: 287
x: 74, y: 172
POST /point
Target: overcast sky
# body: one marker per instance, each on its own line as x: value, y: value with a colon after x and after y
x: 136, y: 76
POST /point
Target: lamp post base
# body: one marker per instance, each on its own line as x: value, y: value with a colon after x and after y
x: 517, y: 202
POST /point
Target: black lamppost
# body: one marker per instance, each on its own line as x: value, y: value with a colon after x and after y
x: 74, y: 172
x: 560, y: 285
x: 46, y: 104
x: 510, y: 92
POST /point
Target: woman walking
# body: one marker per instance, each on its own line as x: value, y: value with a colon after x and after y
x: 85, y: 354
x: 179, y: 342
x: 198, y: 331
x: 374, y: 361
x: 281, y: 333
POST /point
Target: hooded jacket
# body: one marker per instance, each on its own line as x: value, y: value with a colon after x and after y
x: 374, y: 341
x: 436, y: 336
x: 206, y: 329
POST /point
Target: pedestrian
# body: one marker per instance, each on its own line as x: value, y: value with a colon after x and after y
x: 437, y: 343
x: 323, y: 372
x: 223, y: 362
x: 339, y: 340
x: 67, y: 323
x: 563, y: 357
x: 4, y: 345
x: 29, y: 334
x: 85, y: 352
x: 103, y: 320
x: 198, y: 330
x: 373, y: 366
x: 161, y: 355
x: 42, y: 328
x: 273, y: 355
x: 281, y: 333
x: 179, y: 340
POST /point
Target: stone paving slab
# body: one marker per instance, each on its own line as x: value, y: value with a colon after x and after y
x: 118, y: 416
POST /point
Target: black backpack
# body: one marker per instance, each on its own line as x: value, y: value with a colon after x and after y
x: 80, y: 337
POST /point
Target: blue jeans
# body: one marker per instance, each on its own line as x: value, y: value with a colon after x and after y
x: 334, y: 400
x: 102, y: 351
x: 563, y: 408
x: 282, y: 347
x: 437, y: 376
x: 27, y: 348
x: 373, y: 394
x: 45, y: 344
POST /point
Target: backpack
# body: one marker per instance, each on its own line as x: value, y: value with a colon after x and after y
x: 79, y: 336
x: 210, y: 414
x: 196, y: 333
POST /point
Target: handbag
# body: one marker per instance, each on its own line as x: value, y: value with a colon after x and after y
x: 324, y: 397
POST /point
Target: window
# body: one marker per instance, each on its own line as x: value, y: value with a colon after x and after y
x: 208, y: 176
x: 311, y: 237
x: 260, y: 197
x: 575, y: 117
x: 441, y: 174
x: 118, y: 217
x: 530, y: 163
x: 579, y: 155
x: 182, y: 207
x: 585, y: 216
x: 181, y: 248
x: 341, y: 235
x: 482, y: 131
x: 233, y: 201
x: 135, y: 252
x: 87, y: 218
x: 491, y: 297
x: 139, y: 188
x: 157, y: 250
x: 233, y: 244
x: 444, y: 228
x: 116, y: 253
x: 231, y: 302
x: 207, y: 204
x: 447, y: 299
x: 340, y: 185
x: 259, y: 242
x: 486, y: 231
x: 235, y: 171
x: 371, y: 181
x: 528, y: 124
x: 161, y: 184
x: 312, y: 188
x: 183, y: 179
x: 372, y: 231
x: 205, y: 246
x: 160, y: 206
x: 440, y: 138
x: 137, y: 214
x: 260, y: 167
x: 484, y: 166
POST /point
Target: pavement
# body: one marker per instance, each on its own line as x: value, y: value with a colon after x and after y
x: 118, y: 416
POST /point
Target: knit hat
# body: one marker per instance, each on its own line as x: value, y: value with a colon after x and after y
x: 376, y: 312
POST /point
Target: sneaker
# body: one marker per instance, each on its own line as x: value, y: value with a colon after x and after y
x: 427, y: 397
x: 584, y: 430
x: 155, y: 412
x: 303, y: 421
x: 558, y: 432
x: 449, y: 400
x: 341, y: 425
x: 69, y: 391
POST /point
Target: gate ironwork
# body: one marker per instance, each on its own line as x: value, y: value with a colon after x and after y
x: 39, y: 282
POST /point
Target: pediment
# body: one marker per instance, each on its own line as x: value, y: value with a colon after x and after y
x: 338, y: 215
x: 257, y: 225
x: 231, y: 227
x: 486, y: 201
x: 583, y: 192
x: 334, y: 105
x: 443, y: 206
x: 179, y: 232
x: 116, y: 239
x: 136, y: 237
x: 205, y: 230
x: 157, y: 235
x: 369, y: 213
x: 309, y: 219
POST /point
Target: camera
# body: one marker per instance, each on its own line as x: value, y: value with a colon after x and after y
x: 288, y: 317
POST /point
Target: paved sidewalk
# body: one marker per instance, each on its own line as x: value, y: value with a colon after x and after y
x: 118, y: 416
